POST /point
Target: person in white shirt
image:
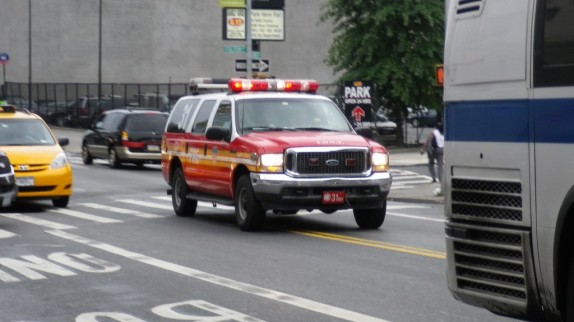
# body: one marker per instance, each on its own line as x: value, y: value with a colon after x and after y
x: 434, y: 147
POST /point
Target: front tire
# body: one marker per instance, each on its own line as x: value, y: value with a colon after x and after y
x: 61, y: 202
x: 113, y: 158
x: 249, y: 213
x: 182, y: 206
x: 570, y: 294
x: 86, y: 157
x: 370, y: 218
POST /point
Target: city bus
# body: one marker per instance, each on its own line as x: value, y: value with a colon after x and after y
x: 509, y: 156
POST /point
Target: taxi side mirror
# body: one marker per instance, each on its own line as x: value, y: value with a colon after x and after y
x: 218, y: 133
x: 63, y: 141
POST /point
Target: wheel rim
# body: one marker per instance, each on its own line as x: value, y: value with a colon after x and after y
x: 85, y: 152
x: 242, y: 204
x: 112, y: 157
x: 177, y: 192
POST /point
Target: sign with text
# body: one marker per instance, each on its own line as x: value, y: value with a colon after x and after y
x: 257, y: 65
x: 265, y: 24
x: 357, y: 97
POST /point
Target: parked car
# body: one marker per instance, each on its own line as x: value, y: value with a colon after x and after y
x: 86, y: 109
x: 41, y: 168
x: 384, y: 126
x: 422, y: 117
x: 22, y: 103
x: 125, y: 136
x: 55, y: 112
x: 8, y: 188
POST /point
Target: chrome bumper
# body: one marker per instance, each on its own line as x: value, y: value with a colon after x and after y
x: 280, y: 191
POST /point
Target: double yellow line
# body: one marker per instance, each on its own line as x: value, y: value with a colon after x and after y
x: 371, y: 243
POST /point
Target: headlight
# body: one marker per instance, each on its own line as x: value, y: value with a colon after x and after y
x: 270, y: 163
x: 59, y: 161
x: 380, y: 161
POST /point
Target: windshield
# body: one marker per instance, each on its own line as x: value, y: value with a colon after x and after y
x: 25, y: 132
x: 289, y: 114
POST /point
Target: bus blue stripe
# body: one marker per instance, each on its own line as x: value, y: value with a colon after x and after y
x: 507, y: 121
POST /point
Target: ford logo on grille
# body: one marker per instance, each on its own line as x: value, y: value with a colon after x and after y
x: 332, y: 162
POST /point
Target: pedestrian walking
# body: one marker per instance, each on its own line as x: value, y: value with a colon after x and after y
x: 434, y: 147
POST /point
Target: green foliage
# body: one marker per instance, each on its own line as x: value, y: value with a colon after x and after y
x: 394, y: 43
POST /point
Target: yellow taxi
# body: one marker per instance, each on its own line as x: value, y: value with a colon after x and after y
x: 40, y: 164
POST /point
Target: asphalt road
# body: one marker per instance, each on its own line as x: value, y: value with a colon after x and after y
x: 118, y: 251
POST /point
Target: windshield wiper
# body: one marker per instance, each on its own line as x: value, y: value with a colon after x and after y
x: 315, y: 129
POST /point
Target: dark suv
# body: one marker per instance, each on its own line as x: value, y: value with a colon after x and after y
x: 125, y: 136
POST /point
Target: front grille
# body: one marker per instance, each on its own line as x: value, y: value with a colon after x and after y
x: 350, y: 161
x: 4, y: 164
x: 489, y: 261
x: 487, y: 200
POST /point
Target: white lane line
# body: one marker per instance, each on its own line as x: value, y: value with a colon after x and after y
x: 6, y: 234
x: 36, y: 221
x: 146, y: 204
x: 83, y: 215
x: 222, y: 281
x: 120, y: 210
x: 405, y: 206
x: 416, y: 217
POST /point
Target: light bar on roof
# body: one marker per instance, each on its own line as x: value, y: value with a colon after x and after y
x: 238, y: 85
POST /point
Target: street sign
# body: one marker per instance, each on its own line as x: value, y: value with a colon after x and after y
x: 266, y: 24
x: 235, y: 49
x: 4, y: 58
x: 257, y: 65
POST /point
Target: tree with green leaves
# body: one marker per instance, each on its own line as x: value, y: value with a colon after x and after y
x: 393, y: 43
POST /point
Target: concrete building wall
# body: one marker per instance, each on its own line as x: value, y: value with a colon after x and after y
x: 149, y: 41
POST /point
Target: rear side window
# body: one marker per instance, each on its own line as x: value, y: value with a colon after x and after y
x: 223, y: 115
x: 111, y: 121
x: 200, y: 124
x: 181, y: 115
x: 146, y: 122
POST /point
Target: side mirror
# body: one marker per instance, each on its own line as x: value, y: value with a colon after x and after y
x: 218, y: 133
x: 63, y: 141
x: 365, y: 132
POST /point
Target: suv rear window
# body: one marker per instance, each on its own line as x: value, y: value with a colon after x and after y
x: 147, y: 121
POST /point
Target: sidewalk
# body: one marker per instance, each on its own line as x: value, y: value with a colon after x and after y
x: 399, y: 157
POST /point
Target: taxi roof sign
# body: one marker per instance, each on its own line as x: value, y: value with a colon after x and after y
x: 7, y: 109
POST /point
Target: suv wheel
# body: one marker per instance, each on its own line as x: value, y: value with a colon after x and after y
x: 249, y: 213
x: 86, y: 157
x: 182, y: 206
x: 370, y: 218
x: 61, y: 202
x: 113, y: 158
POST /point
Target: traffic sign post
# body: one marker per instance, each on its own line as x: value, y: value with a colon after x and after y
x: 4, y: 58
x: 257, y: 65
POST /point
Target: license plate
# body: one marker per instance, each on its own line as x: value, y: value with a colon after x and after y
x: 25, y: 181
x: 153, y: 148
x: 333, y: 197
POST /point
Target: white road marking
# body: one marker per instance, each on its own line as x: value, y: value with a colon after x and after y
x: 37, y: 221
x: 415, y: 217
x: 146, y: 204
x: 120, y: 210
x: 6, y: 234
x: 83, y: 215
x: 222, y: 281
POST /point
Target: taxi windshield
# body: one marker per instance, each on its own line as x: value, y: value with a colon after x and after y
x: 289, y: 114
x: 24, y: 132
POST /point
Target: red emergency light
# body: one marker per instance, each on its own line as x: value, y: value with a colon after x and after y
x: 238, y: 85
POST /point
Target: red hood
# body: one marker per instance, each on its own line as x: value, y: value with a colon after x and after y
x: 276, y: 142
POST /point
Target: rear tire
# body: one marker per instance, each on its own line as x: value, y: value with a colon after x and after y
x: 182, y: 206
x: 249, y: 213
x: 61, y: 202
x: 569, y: 305
x: 86, y: 157
x: 370, y: 218
x: 113, y: 158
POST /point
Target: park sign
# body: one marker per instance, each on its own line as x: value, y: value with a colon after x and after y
x: 357, y: 97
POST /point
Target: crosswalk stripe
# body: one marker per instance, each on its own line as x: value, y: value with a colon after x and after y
x: 6, y: 234
x: 120, y: 210
x: 37, y: 221
x: 83, y: 215
x: 146, y: 204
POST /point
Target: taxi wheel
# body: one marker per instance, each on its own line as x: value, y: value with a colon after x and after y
x: 86, y: 157
x: 370, y: 218
x: 61, y: 202
x: 113, y: 158
x: 182, y: 206
x: 249, y: 213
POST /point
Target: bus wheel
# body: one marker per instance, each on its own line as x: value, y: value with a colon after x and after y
x: 249, y: 213
x: 370, y: 218
x: 570, y: 294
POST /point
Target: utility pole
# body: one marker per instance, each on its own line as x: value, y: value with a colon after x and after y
x: 248, y: 37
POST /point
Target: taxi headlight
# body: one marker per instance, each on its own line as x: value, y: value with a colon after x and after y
x: 59, y: 161
x: 270, y: 163
x: 380, y: 161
